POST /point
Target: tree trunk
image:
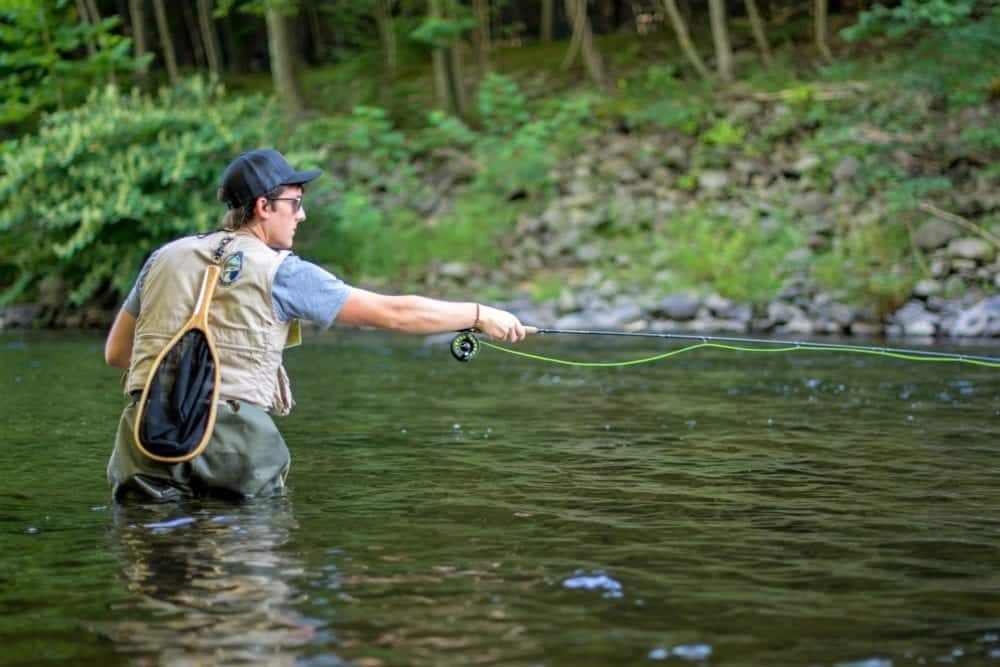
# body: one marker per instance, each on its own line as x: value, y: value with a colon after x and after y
x: 819, y: 19
x: 95, y: 16
x: 43, y: 21
x: 583, y: 40
x: 166, y: 43
x: 720, y: 35
x: 686, y: 11
x: 577, y: 21
x: 236, y: 51
x: 137, y: 13
x: 482, y: 11
x: 387, y: 33
x: 83, y: 10
x: 548, y: 10
x: 441, y: 88
x: 606, y: 10
x: 449, y: 79
x: 197, y: 54
x: 680, y: 29
x: 759, y: 35
x: 208, y: 36
x: 456, y: 76
x: 591, y: 56
x: 284, y: 68
x: 316, y: 30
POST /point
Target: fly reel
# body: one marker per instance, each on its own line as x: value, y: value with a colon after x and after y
x: 465, y: 346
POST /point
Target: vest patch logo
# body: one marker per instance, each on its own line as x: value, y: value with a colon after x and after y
x: 232, y: 268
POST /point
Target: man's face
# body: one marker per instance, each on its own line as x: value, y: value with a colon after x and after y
x: 280, y: 216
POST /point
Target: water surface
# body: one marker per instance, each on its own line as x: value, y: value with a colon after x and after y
x: 716, y: 508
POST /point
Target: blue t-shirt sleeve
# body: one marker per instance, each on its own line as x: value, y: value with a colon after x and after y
x: 304, y: 291
x: 133, y: 302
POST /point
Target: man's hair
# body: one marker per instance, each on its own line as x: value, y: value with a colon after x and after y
x: 237, y: 218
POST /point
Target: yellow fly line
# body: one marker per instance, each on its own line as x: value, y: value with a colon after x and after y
x: 466, y: 344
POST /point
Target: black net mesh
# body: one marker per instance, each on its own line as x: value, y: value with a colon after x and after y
x: 179, y: 401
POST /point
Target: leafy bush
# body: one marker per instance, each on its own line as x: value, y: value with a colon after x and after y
x: 910, y: 16
x: 951, y: 40
x: 444, y: 131
x: 442, y: 32
x: 502, y: 107
x: 99, y: 187
x: 669, y: 114
x: 40, y: 67
x: 868, y: 263
x: 724, y: 133
x: 378, y: 227
x: 739, y: 258
x: 983, y: 138
x: 522, y: 160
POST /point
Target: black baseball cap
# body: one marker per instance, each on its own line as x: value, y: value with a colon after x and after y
x: 255, y: 173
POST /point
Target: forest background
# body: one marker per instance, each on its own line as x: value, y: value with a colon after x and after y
x: 734, y: 160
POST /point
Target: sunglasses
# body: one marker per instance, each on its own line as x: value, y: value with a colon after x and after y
x: 296, y: 202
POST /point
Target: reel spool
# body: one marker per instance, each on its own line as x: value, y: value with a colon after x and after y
x: 465, y: 346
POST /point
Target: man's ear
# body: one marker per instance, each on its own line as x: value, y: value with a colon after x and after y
x: 261, y: 208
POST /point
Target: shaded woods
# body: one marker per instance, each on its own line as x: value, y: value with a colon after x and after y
x: 801, y: 166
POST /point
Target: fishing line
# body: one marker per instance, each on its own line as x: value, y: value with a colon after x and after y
x: 465, y: 346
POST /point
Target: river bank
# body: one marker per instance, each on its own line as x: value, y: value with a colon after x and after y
x: 836, y: 209
x: 798, y: 311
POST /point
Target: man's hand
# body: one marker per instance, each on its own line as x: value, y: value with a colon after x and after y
x: 501, y: 325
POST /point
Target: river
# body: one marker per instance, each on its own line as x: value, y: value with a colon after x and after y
x: 715, y: 508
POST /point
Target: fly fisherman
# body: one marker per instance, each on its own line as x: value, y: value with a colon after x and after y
x: 262, y: 293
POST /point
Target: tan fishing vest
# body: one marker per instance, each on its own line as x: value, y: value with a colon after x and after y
x: 249, y: 337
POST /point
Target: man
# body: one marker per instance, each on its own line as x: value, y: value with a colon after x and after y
x: 263, y: 290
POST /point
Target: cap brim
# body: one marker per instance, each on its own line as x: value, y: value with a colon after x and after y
x: 300, y: 177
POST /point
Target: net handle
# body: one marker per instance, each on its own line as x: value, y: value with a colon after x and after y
x: 208, y: 282
x: 198, y: 320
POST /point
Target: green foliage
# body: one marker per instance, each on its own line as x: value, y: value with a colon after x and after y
x: 362, y: 239
x: 655, y: 81
x: 502, y: 107
x: 547, y: 288
x: 408, y: 188
x: 40, y: 65
x: 910, y: 16
x: 952, y: 39
x: 370, y: 132
x: 377, y: 226
x: 442, y: 32
x: 873, y: 260
x: 256, y: 7
x: 659, y: 99
x: 444, y: 131
x: 670, y: 115
x: 907, y: 193
x: 741, y: 259
x: 99, y: 187
x: 983, y: 138
x: 471, y: 232
x: 724, y: 133
x: 375, y: 152
x: 522, y: 160
x: 520, y: 164
x: 868, y: 263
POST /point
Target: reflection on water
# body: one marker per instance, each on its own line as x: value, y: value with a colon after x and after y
x: 211, y: 584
